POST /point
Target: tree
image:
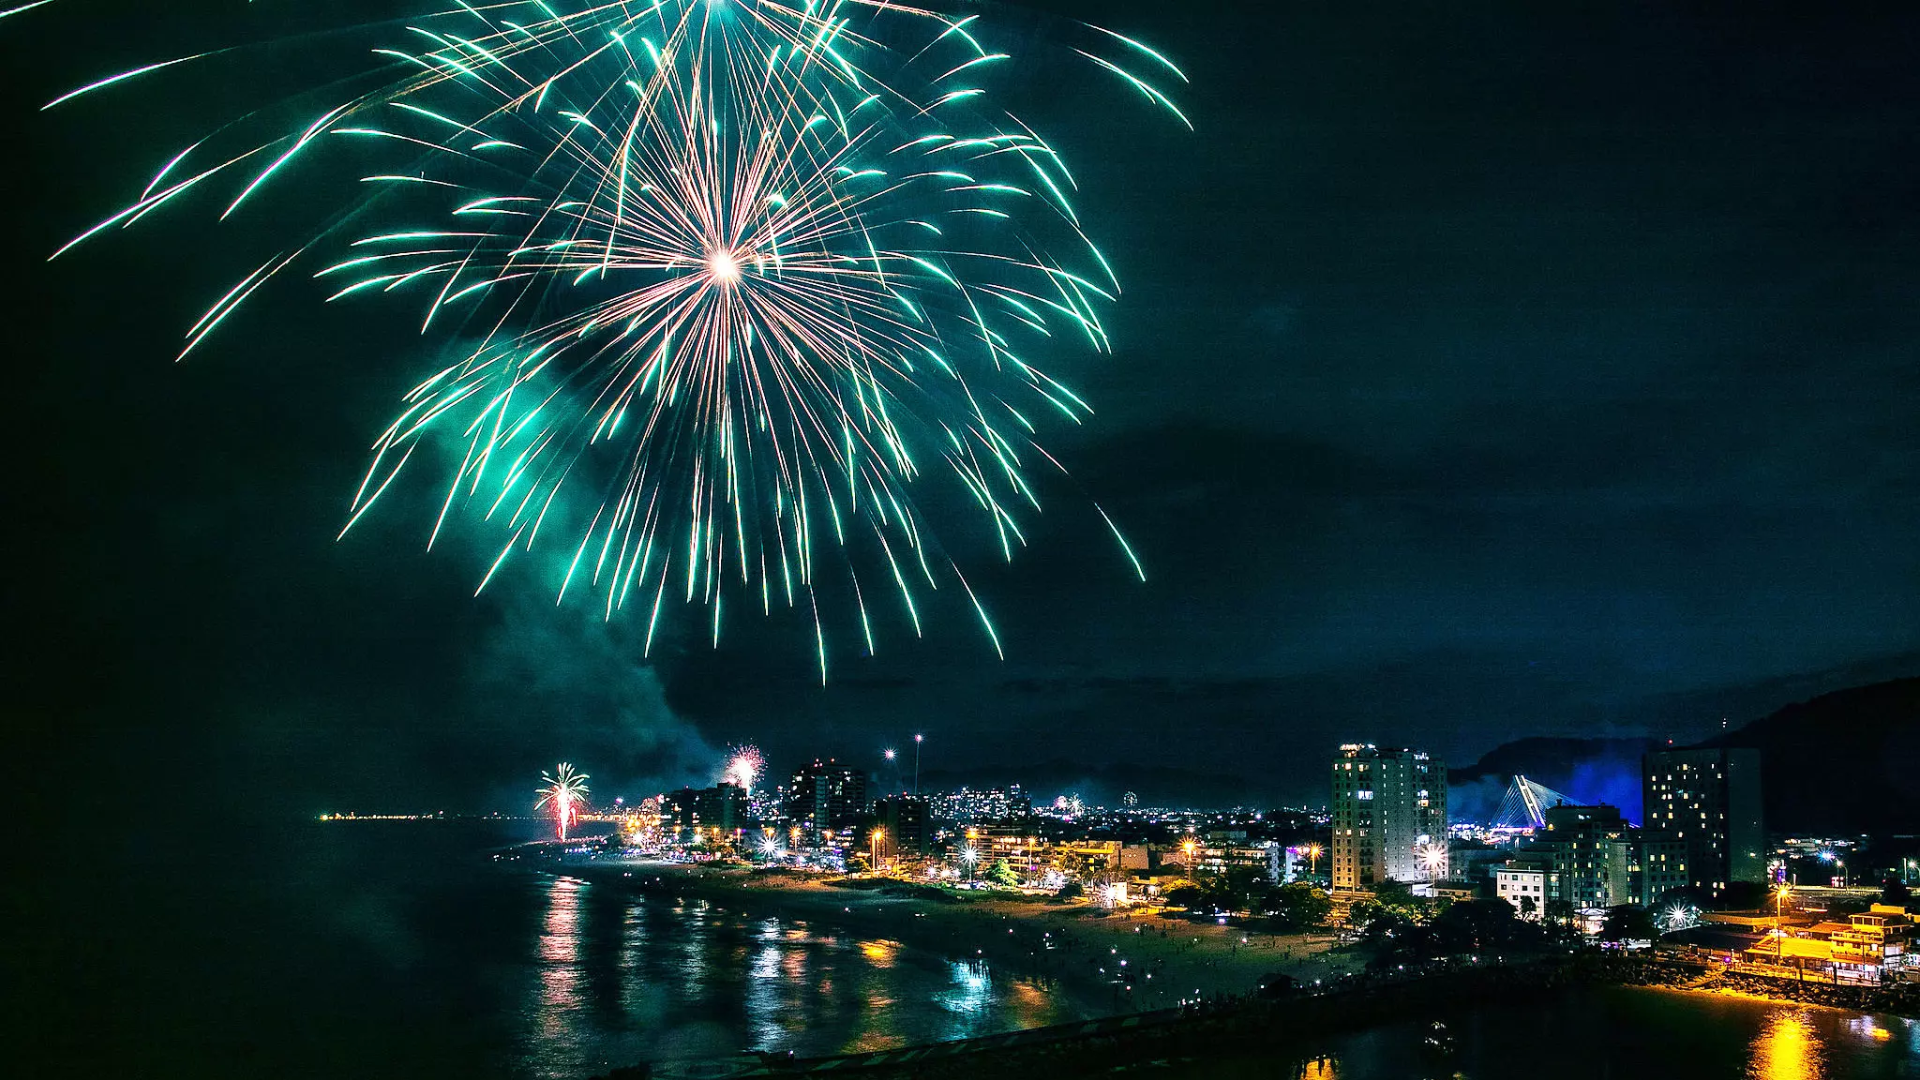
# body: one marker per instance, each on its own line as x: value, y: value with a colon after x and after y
x: 1397, y: 897
x: 1559, y: 911
x: 1187, y: 896
x: 1473, y: 925
x: 1362, y: 913
x: 1241, y: 885
x: 1001, y: 874
x: 1072, y: 890
x: 1299, y: 905
x: 1391, y: 893
x: 1384, y: 927
x: 1895, y: 892
x: 1529, y: 907
x: 1629, y: 922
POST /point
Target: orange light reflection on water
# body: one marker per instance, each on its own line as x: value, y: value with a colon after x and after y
x: 1320, y: 1069
x: 1787, y: 1049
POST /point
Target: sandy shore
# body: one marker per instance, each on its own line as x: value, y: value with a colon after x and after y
x: 1106, y: 964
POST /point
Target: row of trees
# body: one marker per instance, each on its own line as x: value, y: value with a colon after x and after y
x: 1398, y: 927
x: 1289, y: 908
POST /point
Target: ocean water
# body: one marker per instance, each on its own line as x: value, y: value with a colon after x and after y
x: 1613, y: 1033
x: 372, y: 950
x: 376, y: 949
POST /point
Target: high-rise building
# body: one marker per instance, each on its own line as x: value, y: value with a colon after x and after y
x: 1589, y: 852
x: 1389, y: 816
x: 1660, y: 867
x: 826, y: 796
x: 1710, y: 801
x: 907, y: 831
x: 708, y: 815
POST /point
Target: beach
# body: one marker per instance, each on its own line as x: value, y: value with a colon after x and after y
x: 1107, y: 963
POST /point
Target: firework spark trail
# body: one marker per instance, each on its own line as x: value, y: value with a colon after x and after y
x: 737, y: 274
x: 745, y: 765
x: 565, y: 790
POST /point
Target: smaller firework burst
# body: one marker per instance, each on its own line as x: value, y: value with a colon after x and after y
x: 565, y: 790
x: 745, y: 764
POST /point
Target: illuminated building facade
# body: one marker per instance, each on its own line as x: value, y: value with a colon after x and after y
x: 991, y: 806
x: 906, y: 831
x: 1522, y: 883
x: 1660, y: 867
x: 826, y: 796
x: 1708, y: 800
x: 1870, y: 946
x: 1590, y: 851
x: 1389, y: 816
x: 705, y: 814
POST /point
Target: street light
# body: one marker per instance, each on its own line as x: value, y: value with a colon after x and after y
x: 917, y: 740
x: 1779, y: 913
x: 874, y: 838
x: 1313, y: 858
x: 970, y: 855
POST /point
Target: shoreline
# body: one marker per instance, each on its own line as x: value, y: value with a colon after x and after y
x: 1104, y: 965
x: 1187, y: 961
x: 1222, y: 1017
x: 1898, y: 999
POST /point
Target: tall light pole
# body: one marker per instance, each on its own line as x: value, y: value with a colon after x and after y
x: 917, y: 740
x: 874, y: 839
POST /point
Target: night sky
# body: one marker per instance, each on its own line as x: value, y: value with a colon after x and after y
x: 1482, y: 370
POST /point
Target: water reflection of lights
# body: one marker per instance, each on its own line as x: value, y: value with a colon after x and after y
x: 765, y: 1004
x: 1320, y: 1069
x: 971, y: 990
x: 880, y: 953
x: 555, y: 1000
x: 560, y: 944
x: 1869, y: 1028
x: 1887, y: 1031
x: 633, y: 947
x: 1787, y: 1049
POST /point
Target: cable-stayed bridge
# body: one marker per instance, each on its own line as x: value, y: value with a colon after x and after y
x: 1526, y: 804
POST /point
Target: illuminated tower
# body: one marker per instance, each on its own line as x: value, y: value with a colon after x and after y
x: 1389, y: 816
x: 827, y: 796
x: 1708, y: 800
